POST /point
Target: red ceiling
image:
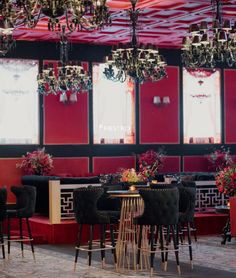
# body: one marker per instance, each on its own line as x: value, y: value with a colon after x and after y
x: 162, y: 22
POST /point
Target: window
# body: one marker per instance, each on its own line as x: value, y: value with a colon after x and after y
x: 113, y: 109
x: 19, y: 102
x: 201, y: 91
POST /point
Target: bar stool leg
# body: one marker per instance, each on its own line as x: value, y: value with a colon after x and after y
x: 21, y: 237
x: 152, y: 248
x: 30, y: 237
x: 164, y: 262
x: 190, y: 245
x: 113, y: 243
x: 176, y: 248
x: 2, y: 240
x: 78, y: 245
x: 8, y: 236
x: 90, y: 244
x: 102, y: 240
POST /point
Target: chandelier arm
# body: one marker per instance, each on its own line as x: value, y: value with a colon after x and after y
x: 35, y: 21
x: 217, y: 10
x: 133, y: 13
x: 70, y: 26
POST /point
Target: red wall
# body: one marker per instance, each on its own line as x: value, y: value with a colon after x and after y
x: 10, y: 175
x: 171, y: 164
x: 66, y: 123
x: 160, y: 124
x: 195, y: 163
x: 74, y: 166
x: 112, y: 164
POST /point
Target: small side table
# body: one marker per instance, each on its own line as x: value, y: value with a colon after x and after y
x: 226, y: 230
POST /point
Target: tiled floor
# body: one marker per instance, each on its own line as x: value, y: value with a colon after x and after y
x: 211, y: 259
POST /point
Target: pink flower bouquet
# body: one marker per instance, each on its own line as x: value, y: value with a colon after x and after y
x: 36, y: 163
x: 226, y: 181
x: 149, y: 164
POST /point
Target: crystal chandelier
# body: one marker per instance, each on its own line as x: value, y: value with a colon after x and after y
x: 136, y: 60
x: 208, y: 46
x: 79, y: 14
x: 69, y: 78
x: 7, y: 41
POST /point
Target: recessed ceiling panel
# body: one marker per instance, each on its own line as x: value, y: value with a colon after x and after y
x: 163, y: 22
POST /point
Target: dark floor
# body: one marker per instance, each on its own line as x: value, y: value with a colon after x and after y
x: 211, y: 259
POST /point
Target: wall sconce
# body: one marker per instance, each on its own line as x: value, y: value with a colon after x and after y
x: 158, y: 101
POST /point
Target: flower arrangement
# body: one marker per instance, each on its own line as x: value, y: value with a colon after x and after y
x: 226, y: 181
x: 219, y: 159
x: 36, y: 163
x: 149, y: 163
x: 130, y: 175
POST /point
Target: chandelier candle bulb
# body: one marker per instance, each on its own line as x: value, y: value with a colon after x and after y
x: 205, y: 46
x: 69, y: 77
x: 88, y: 15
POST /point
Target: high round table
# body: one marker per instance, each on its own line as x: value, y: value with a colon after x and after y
x: 126, y: 245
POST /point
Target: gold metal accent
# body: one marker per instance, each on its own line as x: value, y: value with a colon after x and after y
x: 179, y: 270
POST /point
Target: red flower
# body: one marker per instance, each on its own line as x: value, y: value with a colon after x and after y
x: 149, y: 163
x: 36, y: 163
x: 226, y: 181
x: 219, y: 159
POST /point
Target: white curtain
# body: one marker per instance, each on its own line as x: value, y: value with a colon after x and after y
x: 19, y: 115
x: 201, y: 89
x: 113, y: 108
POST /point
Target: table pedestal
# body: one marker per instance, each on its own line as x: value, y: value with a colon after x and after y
x: 126, y: 246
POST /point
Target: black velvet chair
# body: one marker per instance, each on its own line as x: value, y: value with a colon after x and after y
x: 42, y: 196
x: 86, y: 212
x: 187, y: 197
x: 3, y: 200
x: 161, y: 209
x: 192, y: 184
x: 24, y: 208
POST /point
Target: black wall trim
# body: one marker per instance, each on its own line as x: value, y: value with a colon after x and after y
x: 96, y: 53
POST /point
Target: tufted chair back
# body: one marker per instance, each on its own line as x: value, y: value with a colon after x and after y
x: 106, y: 203
x: 25, y: 201
x: 187, y: 198
x: 161, y: 206
x: 85, y: 206
x: 188, y: 184
x: 3, y: 200
x: 163, y: 185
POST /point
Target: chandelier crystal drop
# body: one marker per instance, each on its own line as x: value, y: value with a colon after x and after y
x: 78, y: 14
x: 140, y: 62
x: 205, y: 46
x: 69, y: 78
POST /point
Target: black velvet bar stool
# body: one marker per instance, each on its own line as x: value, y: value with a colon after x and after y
x: 187, y: 197
x: 86, y: 212
x: 3, y: 200
x: 24, y: 208
x: 161, y: 210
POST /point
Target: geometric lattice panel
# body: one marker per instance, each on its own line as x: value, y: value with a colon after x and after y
x: 209, y: 197
x: 67, y: 208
